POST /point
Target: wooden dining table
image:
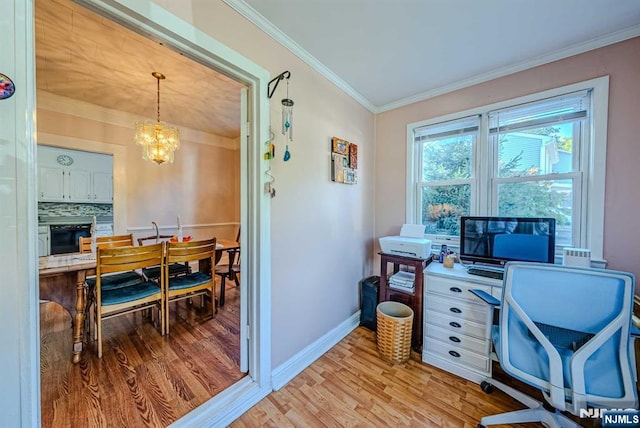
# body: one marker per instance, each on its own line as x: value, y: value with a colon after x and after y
x: 62, y: 280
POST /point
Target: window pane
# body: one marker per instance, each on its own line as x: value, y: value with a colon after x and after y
x: 537, y: 151
x: 442, y: 207
x: 447, y: 158
x: 551, y: 198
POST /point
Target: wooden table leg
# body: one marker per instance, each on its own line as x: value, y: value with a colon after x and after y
x: 78, y: 318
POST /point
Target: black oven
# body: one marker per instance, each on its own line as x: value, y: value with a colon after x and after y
x: 65, y: 237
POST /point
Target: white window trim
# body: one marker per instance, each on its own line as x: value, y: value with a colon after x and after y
x: 593, y: 218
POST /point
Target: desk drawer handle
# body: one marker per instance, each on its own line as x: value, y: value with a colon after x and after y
x: 455, y: 290
x: 454, y: 339
x: 454, y: 324
x: 455, y: 310
x: 454, y: 354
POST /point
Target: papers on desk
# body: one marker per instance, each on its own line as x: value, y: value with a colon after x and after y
x: 403, y: 281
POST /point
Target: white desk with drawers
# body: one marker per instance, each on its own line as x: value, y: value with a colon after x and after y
x: 457, y: 324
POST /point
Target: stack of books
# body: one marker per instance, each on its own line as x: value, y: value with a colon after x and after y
x: 403, y: 281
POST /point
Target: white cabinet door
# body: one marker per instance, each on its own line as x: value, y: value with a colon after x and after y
x: 102, y: 187
x: 79, y: 186
x: 51, y: 182
x: 43, y: 241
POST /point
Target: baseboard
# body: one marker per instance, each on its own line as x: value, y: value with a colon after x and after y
x: 225, y: 407
x: 282, y: 374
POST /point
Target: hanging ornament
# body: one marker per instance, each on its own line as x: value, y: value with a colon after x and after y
x: 287, y: 115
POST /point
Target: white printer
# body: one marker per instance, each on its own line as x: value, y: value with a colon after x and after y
x: 410, y: 243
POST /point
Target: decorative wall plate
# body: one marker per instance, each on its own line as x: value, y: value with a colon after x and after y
x: 7, y: 88
x: 65, y: 160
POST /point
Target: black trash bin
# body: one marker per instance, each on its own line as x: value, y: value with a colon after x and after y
x: 369, y: 289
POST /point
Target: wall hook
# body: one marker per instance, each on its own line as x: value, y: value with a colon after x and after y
x: 277, y: 79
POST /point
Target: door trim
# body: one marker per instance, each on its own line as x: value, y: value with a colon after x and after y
x: 156, y: 23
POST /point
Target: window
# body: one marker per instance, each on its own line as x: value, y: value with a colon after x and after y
x: 536, y: 156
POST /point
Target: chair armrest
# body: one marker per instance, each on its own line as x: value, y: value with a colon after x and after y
x: 488, y: 298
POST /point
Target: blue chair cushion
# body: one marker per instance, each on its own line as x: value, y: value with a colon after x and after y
x: 116, y: 280
x: 187, y: 281
x: 174, y: 269
x: 127, y: 294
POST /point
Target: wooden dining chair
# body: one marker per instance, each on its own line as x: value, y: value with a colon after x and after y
x: 153, y: 272
x: 229, y: 270
x: 115, y: 301
x: 115, y: 280
x: 193, y: 284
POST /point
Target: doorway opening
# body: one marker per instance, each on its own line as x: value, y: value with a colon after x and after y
x: 254, y: 209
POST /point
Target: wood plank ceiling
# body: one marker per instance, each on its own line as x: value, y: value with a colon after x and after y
x: 83, y: 56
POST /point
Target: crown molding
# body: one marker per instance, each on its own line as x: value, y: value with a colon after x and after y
x: 70, y: 106
x: 274, y: 32
x: 257, y: 19
x: 576, y: 49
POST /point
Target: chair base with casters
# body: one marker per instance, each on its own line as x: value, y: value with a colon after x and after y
x: 536, y: 412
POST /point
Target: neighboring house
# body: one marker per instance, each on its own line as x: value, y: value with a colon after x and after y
x: 322, y: 235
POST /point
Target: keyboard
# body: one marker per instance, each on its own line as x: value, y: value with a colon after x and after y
x: 488, y: 272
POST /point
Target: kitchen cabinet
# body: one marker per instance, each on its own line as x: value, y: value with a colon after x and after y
x: 43, y: 241
x: 74, y: 176
x: 102, y: 187
x: 65, y: 185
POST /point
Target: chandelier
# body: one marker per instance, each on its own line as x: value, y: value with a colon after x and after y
x: 158, y: 140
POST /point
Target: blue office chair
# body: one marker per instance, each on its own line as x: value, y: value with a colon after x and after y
x: 566, y: 331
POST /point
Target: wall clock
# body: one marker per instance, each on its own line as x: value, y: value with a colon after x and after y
x: 65, y: 160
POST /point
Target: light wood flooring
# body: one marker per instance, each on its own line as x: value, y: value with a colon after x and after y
x: 350, y: 386
x: 143, y: 379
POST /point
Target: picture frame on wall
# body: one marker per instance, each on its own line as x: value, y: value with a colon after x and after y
x: 344, y: 161
x: 340, y: 146
x: 338, y: 165
x: 353, y: 156
x: 350, y: 176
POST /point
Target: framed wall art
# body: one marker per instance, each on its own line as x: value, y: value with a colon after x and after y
x: 344, y: 161
x: 339, y: 146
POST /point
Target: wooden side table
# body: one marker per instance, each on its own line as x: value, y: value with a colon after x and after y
x: 413, y: 300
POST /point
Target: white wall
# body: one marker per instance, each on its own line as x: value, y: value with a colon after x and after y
x: 321, y: 232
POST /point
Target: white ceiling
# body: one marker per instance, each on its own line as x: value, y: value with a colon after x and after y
x: 384, y: 53
x: 388, y: 53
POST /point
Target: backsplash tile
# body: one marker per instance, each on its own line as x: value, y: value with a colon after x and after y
x: 55, y: 209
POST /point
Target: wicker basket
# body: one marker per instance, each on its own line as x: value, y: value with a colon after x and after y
x: 395, y: 321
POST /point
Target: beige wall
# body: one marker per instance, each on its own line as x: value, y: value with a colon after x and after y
x: 201, y: 186
x: 620, y: 61
x: 321, y: 232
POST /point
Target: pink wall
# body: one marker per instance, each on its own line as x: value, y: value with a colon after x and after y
x: 201, y: 186
x: 321, y: 232
x: 620, y: 61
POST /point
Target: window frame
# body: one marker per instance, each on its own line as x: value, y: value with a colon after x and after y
x: 592, y: 156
